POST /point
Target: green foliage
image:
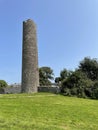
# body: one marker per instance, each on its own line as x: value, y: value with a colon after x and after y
x: 57, y: 80
x: 3, y: 84
x: 94, y: 90
x: 76, y: 83
x: 83, y: 82
x: 90, y: 68
x: 64, y: 74
x: 45, y: 75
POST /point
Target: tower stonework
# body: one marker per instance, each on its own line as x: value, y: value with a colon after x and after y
x: 30, y: 72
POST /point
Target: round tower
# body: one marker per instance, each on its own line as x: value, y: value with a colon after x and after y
x: 30, y: 72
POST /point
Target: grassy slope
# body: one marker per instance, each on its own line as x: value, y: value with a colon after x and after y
x: 47, y: 112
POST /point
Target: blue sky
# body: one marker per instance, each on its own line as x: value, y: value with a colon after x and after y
x: 67, y: 31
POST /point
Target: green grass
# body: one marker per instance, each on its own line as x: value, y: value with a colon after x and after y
x: 45, y: 111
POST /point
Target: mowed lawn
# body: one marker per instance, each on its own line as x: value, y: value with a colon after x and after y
x: 45, y: 111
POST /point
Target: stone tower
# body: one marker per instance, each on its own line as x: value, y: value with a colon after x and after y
x: 30, y: 72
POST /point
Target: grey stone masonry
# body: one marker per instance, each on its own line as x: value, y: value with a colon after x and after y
x: 30, y: 72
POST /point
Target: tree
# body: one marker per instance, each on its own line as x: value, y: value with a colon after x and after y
x: 90, y: 68
x: 3, y: 84
x: 83, y: 82
x: 77, y: 84
x: 64, y: 74
x: 58, y: 80
x: 94, y: 90
x: 45, y: 75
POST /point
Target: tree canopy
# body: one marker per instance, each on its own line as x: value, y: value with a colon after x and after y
x: 89, y: 67
x: 45, y: 75
x: 3, y: 84
x: 82, y: 82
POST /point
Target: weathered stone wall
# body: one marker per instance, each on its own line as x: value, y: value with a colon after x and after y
x: 11, y: 90
x: 49, y: 89
x: 30, y: 72
x: 17, y: 89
